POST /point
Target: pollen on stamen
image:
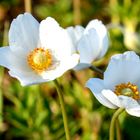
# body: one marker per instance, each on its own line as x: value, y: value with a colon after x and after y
x: 127, y: 89
x: 39, y: 60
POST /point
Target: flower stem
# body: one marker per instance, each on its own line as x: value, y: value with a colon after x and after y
x: 4, y: 43
x: 96, y: 69
x: 28, y: 7
x: 118, y: 131
x: 1, y: 98
x: 113, y: 121
x: 77, y: 11
x: 61, y: 99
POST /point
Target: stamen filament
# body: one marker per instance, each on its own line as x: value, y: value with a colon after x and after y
x: 127, y: 89
x: 39, y: 59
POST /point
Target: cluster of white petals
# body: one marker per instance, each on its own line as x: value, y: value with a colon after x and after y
x: 41, y: 52
x: 90, y: 42
x: 37, y: 52
x: 121, y: 84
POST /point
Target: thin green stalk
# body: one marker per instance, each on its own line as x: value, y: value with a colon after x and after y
x: 1, y: 98
x: 4, y: 43
x: 127, y: 3
x: 28, y: 5
x: 61, y: 99
x: 113, y: 121
x: 77, y: 11
x: 5, y: 33
x: 118, y: 131
x: 115, y: 17
x: 93, y: 68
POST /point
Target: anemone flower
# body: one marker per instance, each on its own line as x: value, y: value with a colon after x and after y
x: 90, y: 42
x: 37, y: 52
x: 120, y: 87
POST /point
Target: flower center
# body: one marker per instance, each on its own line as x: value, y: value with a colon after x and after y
x: 39, y: 59
x: 127, y: 89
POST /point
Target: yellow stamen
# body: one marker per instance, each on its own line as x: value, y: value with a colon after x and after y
x: 39, y: 59
x: 127, y: 89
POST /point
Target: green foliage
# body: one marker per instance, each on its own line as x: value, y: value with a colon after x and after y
x: 61, y: 11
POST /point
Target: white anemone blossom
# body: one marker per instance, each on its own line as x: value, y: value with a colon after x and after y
x: 37, y: 52
x: 120, y: 87
x: 90, y: 42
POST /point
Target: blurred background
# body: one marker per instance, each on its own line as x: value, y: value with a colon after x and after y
x: 33, y: 112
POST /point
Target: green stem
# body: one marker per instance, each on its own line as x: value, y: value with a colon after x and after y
x: 118, y: 131
x: 1, y: 98
x: 28, y: 5
x: 61, y: 99
x: 5, y: 34
x: 96, y: 69
x: 5, y: 43
x: 77, y: 11
x: 113, y: 121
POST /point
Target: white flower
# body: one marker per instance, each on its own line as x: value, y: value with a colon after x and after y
x: 91, y: 43
x: 37, y: 52
x: 121, y: 84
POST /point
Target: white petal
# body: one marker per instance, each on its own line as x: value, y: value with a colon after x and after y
x: 18, y: 67
x: 96, y: 86
x: 24, y: 33
x: 98, y: 26
x: 104, y: 47
x: 113, y: 98
x: 66, y: 64
x: 6, y: 57
x: 27, y: 78
x: 134, y: 111
x: 88, y: 47
x: 132, y: 106
x: 71, y: 33
x: 9, y: 60
x: 81, y: 66
x: 30, y: 77
x: 70, y: 62
x: 78, y: 31
x: 128, y: 102
x: 55, y: 38
x: 102, y: 34
x: 122, y: 68
x: 75, y: 34
x: 128, y: 55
